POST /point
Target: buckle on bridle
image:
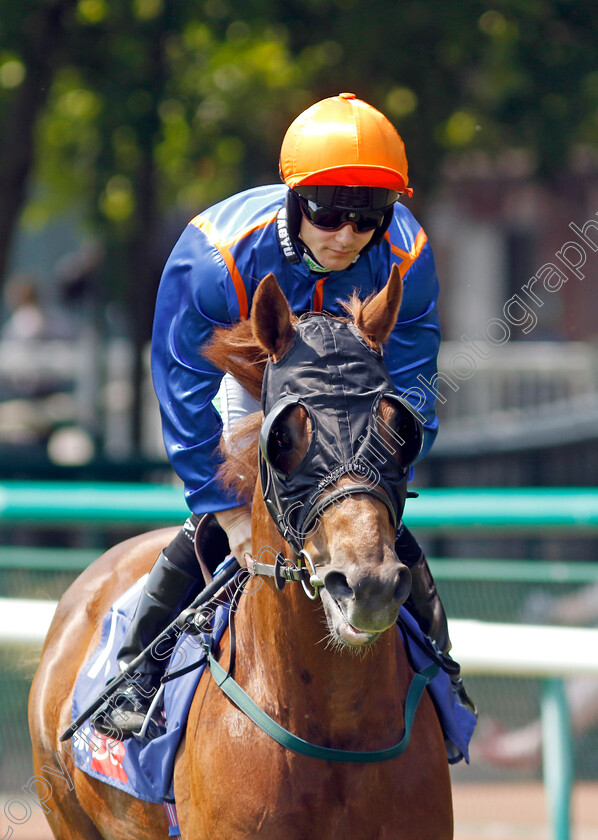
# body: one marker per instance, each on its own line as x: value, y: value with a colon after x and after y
x: 283, y: 570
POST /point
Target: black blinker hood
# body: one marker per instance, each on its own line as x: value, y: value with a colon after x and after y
x: 339, y: 379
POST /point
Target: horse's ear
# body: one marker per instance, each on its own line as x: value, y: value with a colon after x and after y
x: 271, y: 318
x: 379, y: 316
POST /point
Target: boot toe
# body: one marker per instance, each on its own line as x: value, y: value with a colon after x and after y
x: 122, y: 717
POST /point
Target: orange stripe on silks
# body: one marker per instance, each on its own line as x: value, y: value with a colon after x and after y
x: 319, y: 294
x: 210, y: 231
x: 408, y: 257
x: 264, y: 223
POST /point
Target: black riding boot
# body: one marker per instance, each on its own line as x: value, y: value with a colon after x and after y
x: 425, y: 606
x: 174, y: 581
x: 423, y: 602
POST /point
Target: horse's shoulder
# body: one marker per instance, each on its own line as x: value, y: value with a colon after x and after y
x: 135, y: 555
x: 101, y: 583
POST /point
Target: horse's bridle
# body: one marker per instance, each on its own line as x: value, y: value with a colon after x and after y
x: 284, y: 570
x: 339, y: 380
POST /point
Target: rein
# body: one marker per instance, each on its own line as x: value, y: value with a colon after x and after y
x: 225, y: 681
x: 292, y: 742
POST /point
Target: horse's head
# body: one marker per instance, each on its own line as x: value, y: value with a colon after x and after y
x: 335, y: 447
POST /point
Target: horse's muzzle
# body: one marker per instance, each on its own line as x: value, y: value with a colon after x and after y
x: 369, y: 602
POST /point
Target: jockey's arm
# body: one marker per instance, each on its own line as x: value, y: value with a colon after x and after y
x: 412, y: 348
x: 191, y: 302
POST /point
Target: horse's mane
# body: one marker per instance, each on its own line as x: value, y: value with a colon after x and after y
x: 235, y: 350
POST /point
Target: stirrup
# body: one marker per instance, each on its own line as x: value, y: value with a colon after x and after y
x: 133, y: 717
x: 151, y: 728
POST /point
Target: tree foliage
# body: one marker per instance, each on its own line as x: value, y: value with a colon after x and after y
x: 136, y: 110
x: 31, y: 40
x: 202, y: 93
x: 462, y: 76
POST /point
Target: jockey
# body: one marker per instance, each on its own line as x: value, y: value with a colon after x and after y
x: 335, y: 225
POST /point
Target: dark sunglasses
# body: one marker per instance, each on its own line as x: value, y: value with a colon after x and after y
x: 332, y: 218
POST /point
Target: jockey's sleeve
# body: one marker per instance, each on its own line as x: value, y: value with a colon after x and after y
x: 412, y: 349
x: 191, y: 302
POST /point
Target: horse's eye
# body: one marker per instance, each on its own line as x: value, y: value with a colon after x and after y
x: 288, y: 439
x: 282, y: 440
x: 399, y: 432
x: 281, y: 445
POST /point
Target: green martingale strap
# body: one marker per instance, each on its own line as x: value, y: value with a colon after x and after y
x: 234, y: 691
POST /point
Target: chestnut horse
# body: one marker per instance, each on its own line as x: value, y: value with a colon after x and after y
x: 332, y: 671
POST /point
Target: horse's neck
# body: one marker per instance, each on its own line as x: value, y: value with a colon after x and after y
x: 284, y: 662
x: 283, y: 652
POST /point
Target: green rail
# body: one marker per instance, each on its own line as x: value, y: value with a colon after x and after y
x: 63, y: 504
x: 36, y: 558
x: 513, y: 511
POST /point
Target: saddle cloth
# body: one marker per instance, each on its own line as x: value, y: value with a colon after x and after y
x: 145, y: 768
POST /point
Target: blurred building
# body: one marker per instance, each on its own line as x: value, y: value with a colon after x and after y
x: 518, y: 380
x: 513, y: 249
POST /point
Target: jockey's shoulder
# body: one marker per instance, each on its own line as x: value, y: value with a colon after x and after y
x: 404, y: 229
x: 241, y: 214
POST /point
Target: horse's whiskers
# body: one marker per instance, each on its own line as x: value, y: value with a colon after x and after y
x: 332, y: 642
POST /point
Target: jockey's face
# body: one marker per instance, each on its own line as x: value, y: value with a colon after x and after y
x: 334, y: 249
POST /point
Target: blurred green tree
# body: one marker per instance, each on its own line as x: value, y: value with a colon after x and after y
x: 141, y: 112
x: 455, y: 77
x: 155, y: 108
x: 32, y: 40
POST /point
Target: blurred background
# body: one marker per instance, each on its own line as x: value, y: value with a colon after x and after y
x: 122, y: 119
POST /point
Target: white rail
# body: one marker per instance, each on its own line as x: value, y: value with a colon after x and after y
x: 550, y: 653
x: 524, y: 650
x: 23, y: 621
x: 481, y: 647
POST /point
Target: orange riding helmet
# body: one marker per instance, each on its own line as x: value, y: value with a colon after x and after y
x: 343, y: 141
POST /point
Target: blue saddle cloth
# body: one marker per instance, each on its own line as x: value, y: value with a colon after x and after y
x: 144, y: 769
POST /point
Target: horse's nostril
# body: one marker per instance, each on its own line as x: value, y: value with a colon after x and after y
x: 338, y: 586
x: 403, y: 586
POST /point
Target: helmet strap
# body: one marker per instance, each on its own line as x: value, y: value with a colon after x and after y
x: 287, y: 229
x: 288, y: 224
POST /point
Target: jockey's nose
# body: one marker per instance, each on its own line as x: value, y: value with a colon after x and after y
x: 345, y: 234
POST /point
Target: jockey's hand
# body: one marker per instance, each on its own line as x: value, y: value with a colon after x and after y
x: 237, y: 524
